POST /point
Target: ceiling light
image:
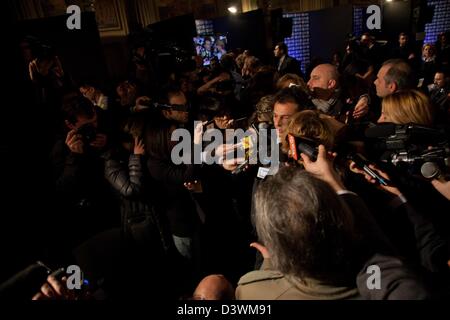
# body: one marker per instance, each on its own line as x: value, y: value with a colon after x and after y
x: 232, y: 9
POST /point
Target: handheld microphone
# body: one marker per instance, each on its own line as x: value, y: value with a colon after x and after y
x: 298, y: 144
x: 430, y: 170
x: 240, y: 168
x: 308, y: 150
x: 247, y: 143
x: 363, y: 164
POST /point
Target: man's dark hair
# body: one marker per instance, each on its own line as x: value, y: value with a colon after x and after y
x: 283, y: 46
x: 305, y: 226
x: 443, y: 71
x: 399, y: 73
x: 294, y: 95
x: 213, y: 106
x: 74, y: 106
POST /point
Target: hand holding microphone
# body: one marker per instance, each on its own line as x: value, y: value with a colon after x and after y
x: 323, y: 168
x: 363, y: 164
x: 373, y: 174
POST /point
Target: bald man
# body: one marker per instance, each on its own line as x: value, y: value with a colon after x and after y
x: 214, y: 287
x: 324, y: 83
x: 324, y: 76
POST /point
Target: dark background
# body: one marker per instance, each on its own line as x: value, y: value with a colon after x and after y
x: 80, y: 51
x: 244, y: 31
x: 328, y: 31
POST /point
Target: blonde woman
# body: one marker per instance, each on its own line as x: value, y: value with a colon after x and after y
x: 405, y: 107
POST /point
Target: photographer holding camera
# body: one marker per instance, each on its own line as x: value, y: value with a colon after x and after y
x: 83, y: 192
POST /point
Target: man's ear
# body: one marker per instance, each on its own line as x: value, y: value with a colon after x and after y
x: 332, y: 84
x: 167, y: 113
x: 393, y: 87
x: 69, y: 125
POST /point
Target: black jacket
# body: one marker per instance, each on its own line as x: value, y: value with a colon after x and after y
x: 85, y: 204
x: 171, y: 195
x: 289, y: 65
x: 397, y: 280
x: 432, y: 248
x: 141, y: 223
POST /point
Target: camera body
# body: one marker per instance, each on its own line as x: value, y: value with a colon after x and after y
x: 429, y: 163
x: 88, y: 133
x: 414, y: 148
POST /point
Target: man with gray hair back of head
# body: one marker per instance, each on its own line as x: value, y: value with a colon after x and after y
x: 318, y: 239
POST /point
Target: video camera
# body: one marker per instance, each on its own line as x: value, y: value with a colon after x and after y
x: 422, y: 151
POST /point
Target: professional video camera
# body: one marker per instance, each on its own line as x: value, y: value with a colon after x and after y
x: 422, y: 151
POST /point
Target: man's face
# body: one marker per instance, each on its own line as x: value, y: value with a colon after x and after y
x: 383, y: 88
x: 282, y: 113
x: 319, y: 79
x: 178, y: 116
x: 278, y: 52
x: 439, y: 80
x: 402, y: 40
x: 207, y: 45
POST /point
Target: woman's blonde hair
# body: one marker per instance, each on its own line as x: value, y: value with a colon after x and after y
x: 309, y: 124
x: 410, y: 106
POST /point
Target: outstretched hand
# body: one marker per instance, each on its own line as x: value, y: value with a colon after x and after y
x: 323, y: 168
x: 54, y: 289
x: 361, y: 108
x: 389, y: 188
x: 139, y: 147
